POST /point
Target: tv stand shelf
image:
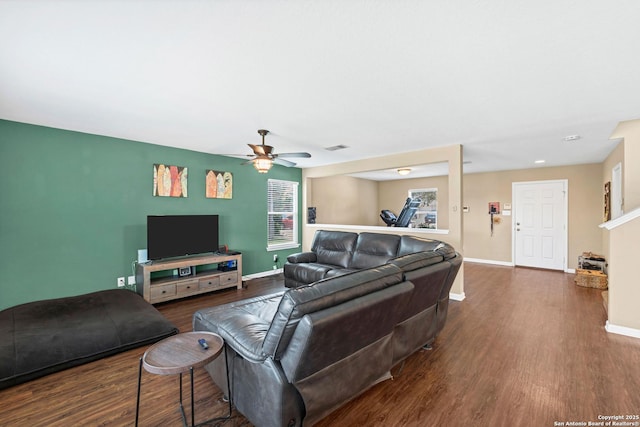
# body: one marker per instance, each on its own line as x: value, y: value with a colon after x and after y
x: 203, y: 278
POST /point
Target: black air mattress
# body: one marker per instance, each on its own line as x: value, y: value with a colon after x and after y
x: 42, y: 337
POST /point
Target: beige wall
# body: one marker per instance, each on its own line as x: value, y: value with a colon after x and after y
x: 585, y: 210
x: 344, y: 200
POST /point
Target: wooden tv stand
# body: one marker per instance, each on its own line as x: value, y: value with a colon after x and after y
x: 205, y: 277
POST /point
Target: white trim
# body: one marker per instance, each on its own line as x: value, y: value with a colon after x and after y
x: 457, y: 297
x: 262, y: 274
x: 570, y: 270
x: 489, y: 261
x: 609, y: 225
x: 622, y: 330
x: 282, y: 246
x: 377, y: 228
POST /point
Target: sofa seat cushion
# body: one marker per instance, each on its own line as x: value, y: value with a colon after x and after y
x: 243, y: 325
x: 42, y: 337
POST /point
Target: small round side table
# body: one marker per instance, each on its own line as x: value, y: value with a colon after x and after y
x: 178, y: 354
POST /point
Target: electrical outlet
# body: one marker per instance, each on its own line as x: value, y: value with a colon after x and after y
x: 131, y: 280
x: 120, y: 282
x: 275, y: 257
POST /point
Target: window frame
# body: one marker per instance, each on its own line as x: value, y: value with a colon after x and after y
x: 272, y: 244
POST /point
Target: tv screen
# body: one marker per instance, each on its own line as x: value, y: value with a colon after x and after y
x: 180, y: 235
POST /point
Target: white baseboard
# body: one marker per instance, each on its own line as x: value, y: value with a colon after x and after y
x: 456, y: 297
x: 489, y: 261
x: 506, y: 264
x: 262, y: 274
x: 622, y: 330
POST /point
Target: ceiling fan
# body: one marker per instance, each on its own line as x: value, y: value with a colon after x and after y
x: 265, y: 157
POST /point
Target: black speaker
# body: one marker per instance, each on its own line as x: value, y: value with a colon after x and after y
x: 311, y: 215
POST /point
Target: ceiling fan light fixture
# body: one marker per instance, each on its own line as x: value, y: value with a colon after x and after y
x: 404, y: 171
x: 262, y: 164
x: 264, y: 156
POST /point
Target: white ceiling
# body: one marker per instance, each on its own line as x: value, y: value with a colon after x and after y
x: 508, y: 79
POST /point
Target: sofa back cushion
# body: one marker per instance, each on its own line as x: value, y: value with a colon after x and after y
x: 374, y: 249
x: 334, y: 247
x: 321, y: 295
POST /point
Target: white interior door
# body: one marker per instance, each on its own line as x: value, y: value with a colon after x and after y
x: 540, y: 224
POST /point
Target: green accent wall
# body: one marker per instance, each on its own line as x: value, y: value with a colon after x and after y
x: 73, y: 208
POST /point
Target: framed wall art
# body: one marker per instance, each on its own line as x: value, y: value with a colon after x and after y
x: 169, y: 181
x: 607, y: 202
x: 218, y: 184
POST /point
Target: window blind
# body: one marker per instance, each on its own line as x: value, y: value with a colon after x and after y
x: 282, y: 214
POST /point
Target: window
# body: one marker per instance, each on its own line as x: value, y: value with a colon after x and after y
x: 427, y: 214
x: 282, y: 214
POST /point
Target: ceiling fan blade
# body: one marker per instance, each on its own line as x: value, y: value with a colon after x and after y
x: 283, y: 162
x: 258, y: 149
x: 246, y: 162
x: 301, y: 155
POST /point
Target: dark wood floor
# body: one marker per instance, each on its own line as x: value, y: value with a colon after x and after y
x: 525, y: 348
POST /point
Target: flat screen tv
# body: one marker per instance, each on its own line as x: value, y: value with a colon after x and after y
x: 171, y: 236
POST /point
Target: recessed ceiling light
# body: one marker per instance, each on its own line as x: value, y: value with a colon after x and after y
x: 539, y: 162
x: 571, y: 138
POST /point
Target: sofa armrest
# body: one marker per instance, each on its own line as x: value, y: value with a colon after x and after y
x: 302, y: 257
x: 243, y: 325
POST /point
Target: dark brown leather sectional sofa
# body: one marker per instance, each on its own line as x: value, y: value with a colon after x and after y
x: 296, y: 355
x: 338, y: 252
